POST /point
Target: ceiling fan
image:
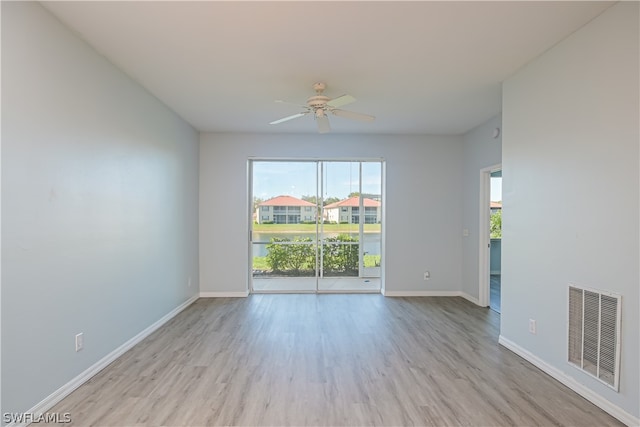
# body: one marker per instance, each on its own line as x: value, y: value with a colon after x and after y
x: 321, y: 106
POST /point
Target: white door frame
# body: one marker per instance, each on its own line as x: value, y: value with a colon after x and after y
x: 484, y: 234
x: 319, y: 191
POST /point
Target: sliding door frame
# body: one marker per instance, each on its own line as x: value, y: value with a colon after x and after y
x: 319, y: 223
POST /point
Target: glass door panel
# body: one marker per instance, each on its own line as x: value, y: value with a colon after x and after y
x: 284, y: 230
x: 372, y: 229
x: 342, y: 236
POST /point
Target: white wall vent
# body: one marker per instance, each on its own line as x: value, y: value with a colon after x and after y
x: 594, y: 333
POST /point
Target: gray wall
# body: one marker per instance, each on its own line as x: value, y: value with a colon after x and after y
x: 423, y: 212
x: 99, y: 200
x: 480, y: 150
x: 570, y: 143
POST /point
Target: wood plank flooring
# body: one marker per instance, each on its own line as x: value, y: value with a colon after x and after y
x: 334, y: 360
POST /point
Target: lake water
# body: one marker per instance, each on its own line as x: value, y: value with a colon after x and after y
x: 371, y: 241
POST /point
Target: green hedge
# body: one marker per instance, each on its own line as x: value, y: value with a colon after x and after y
x: 338, y: 257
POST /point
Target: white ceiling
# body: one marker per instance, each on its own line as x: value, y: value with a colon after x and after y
x: 419, y: 67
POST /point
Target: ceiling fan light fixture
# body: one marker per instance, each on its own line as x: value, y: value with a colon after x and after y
x: 321, y: 105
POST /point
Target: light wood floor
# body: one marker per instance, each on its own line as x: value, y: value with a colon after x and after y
x: 327, y: 360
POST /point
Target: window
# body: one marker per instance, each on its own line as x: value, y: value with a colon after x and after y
x: 307, y: 208
x: 371, y: 215
x: 343, y: 209
x: 293, y: 219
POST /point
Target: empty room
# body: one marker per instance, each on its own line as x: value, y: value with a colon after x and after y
x: 326, y: 213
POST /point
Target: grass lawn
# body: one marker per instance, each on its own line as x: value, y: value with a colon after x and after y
x: 311, y: 228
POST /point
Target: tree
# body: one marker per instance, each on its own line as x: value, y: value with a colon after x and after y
x: 496, y: 224
x: 310, y: 199
x: 329, y: 200
x: 326, y: 201
x: 256, y: 202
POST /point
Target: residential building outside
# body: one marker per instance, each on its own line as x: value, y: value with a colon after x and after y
x: 348, y: 211
x: 285, y: 210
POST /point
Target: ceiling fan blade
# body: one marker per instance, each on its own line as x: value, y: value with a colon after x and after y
x: 280, y: 101
x: 353, y: 116
x: 295, y: 116
x: 340, y: 101
x: 323, y: 124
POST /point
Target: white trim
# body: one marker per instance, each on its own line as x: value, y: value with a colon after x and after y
x: 242, y: 294
x: 422, y: 293
x: 431, y: 294
x: 572, y: 383
x: 315, y: 159
x: 55, y: 397
x: 470, y: 298
x: 249, y: 228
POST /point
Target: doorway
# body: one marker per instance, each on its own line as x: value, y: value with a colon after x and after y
x: 490, y: 238
x: 495, y: 246
x: 316, y: 225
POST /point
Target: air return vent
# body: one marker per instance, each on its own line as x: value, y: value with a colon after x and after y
x: 594, y: 333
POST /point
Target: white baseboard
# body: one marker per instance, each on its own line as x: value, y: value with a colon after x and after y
x: 432, y: 294
x: 574, y: 385
x: 242, y: 294
x: 422, y: 293
x: 55, y: 397
x: 470, y: 298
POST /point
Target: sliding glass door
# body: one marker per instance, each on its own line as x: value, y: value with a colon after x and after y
x: 315, y: 226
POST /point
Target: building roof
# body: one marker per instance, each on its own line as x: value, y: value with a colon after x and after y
x: 286, y: 201
x: 496, y: 205
x: 354, y: 202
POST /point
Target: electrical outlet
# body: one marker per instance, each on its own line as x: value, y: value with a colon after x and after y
x: 427, y: 275
x: 532, y: 326
x: 80, y: 341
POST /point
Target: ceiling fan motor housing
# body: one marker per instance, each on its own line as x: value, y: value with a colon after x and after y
x: 318, y: 101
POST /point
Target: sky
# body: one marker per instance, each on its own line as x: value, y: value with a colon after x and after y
x: 496, y: 189
x: 297, y: 179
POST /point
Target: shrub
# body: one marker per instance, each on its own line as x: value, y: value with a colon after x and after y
x: 290, y: 257
x: 338, y: 256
